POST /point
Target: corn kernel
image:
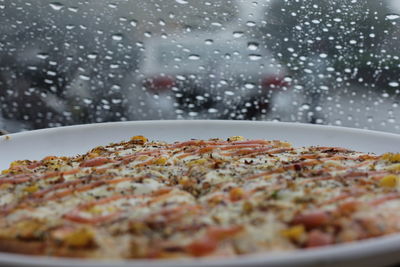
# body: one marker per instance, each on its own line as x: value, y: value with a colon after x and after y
x: 140, y: 139
x: 5, y: 171
x: 389, y: 181
x: 79, y: 238
x: 96, y: 210
x: 18, y: 163
x: 92, y: 155
x: 196, y: 162
x: 31, y: 189
x: 393, y: 167
x: 49, y: 158
x: 285, y: 144
x: 160, y: 161
x: 26, y: 228
x: 236, y: 194
x: 391, y: 157
x: 295, y: 232
x: 247, y: 207
x: 236, y: 138
x: 143, y: 157
x: 215, y: 200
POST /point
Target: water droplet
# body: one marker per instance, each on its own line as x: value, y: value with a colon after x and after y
x: 255, y: 57
x: 133, y: 23
x: 392, y: 16
x: 181, y: 77
x: 212, y: 110
x: 193, y: 114
x: 73, y: 9
x: 116, y: 101
x: 250, y: 23
x: 353, y: 42
x: 194, y: 57
x: 323, y: 55
x: 249, y: 85
x: 393, y: 84
x: 42, y: 56
x: 51, y: 73
x: 252, y: 46
x: 288, y: 79
x: 84, y: 77
x: 229, y: 93
x: 56, y: 6
x: 338, y: 122
x: 92, y: 56
x: 305, y: 106
x: 87, y: 101
x: 238, y: 34
x: 117, y: 37
x: 182, y: 2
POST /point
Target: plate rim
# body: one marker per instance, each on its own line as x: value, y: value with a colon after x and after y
x: 336, y: 253
x: 215, y: 122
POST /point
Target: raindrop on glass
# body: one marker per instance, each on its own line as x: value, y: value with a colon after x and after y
x: 56, y: 6
x: 84, y: 77
x: 249, y: 85
x: 255, y: 57
x: 238, y: 34
x: 117, y: 37
x: 194, y: 57
x: 392, y: 16
x: 92, y: 56
x: 250, y: 24
x: 252, y: 46
x: 133, y: 23
x: 42, y: 56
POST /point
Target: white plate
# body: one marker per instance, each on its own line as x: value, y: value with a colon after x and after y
x: 79, y: 139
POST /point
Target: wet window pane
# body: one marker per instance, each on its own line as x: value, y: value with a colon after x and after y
x: 312, y: 61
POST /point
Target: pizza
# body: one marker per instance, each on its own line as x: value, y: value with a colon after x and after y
x: 197, y: 198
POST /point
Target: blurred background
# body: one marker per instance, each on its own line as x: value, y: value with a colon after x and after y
x: 334, y: 62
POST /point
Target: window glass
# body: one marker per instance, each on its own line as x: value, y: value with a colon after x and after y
x: 332, y: 62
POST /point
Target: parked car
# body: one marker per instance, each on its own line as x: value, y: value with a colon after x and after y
x: 219, y: 74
